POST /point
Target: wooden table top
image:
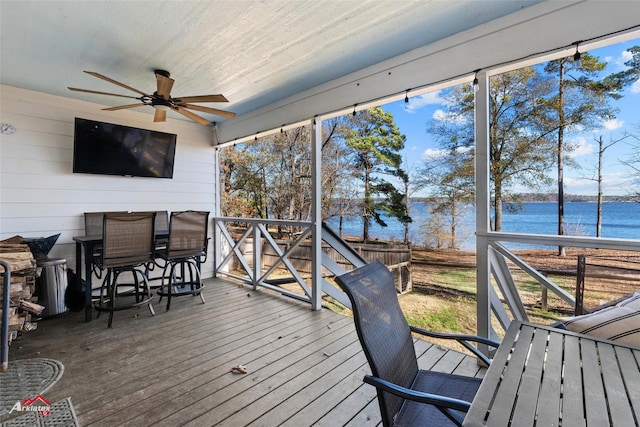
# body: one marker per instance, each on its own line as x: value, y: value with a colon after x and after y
x: 542, y: 376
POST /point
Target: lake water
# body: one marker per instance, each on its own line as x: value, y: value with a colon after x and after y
x: 619, y: 219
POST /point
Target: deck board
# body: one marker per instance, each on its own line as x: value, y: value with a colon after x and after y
x: 304, y: 367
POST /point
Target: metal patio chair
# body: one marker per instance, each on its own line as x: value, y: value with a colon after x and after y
x: 93, y: 226
x: 184, y: 252
x: 128, y: 245
x: 161, y: 238
x: 407, y: 396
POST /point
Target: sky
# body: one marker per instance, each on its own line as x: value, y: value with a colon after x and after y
x: 414, y: 119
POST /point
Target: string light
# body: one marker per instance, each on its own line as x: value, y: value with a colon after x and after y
x: 577, y: 58
x: 476, y: 84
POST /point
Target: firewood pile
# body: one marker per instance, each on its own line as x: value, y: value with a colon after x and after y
x: 23, y: 304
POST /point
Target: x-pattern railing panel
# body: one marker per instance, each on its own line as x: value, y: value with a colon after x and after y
x: 258, y: 230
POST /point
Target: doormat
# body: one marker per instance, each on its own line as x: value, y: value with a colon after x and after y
x: 61, y: 414
x: 27, y: 378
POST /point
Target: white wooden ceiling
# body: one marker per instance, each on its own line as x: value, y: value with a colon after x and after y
x: 276, y: 56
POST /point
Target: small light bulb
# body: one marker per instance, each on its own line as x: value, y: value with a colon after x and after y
x: 577, y: 59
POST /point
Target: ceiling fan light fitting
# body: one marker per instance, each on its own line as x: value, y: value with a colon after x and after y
x: 160, y: 104
x: 161, y: 107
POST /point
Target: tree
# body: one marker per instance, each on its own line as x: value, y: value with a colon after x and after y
x: 520, y: 151
x: 602, y: 147
x: 633, y: 161
x: 581, y: 99
x: 376, y: 142
x: 243, y: 172
x: 629, y: 76
x: 446, y: 174
x: 339, y: 192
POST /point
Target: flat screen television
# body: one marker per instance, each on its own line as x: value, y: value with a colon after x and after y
x: 110, y: 149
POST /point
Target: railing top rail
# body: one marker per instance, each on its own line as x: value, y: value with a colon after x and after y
x: 265, y: 221
x: 567, y: 241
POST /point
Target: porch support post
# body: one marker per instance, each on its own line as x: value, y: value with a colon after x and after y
x: 483, y: 278
x: 316, y: 214
x: 217, y: 212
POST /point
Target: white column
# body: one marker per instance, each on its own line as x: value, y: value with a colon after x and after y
x: 316, y: 214
x: 217, y: 212
x: 483, y: 205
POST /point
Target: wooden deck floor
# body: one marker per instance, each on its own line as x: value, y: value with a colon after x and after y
x: 304, y: 367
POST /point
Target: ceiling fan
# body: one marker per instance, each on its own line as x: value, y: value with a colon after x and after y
x: 162, y: 101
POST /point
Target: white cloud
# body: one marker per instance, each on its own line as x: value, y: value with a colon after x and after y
x: 417, y: 102
x: 618, y: 62
x: 613, y: 124
x: 635, y: 87
x: 581, y: 147
x: 625, y: 56
x: 443, y: 116
x: 464, y: 149
x: 439, y: 153
x: 434, y: 154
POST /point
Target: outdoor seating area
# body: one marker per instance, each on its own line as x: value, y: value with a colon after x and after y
x: 138, y: 243
x: 254, y: 138
x: 303, y: 367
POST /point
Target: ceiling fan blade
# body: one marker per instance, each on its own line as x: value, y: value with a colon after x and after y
x: 122, y: 107
x: 160, y: 116
x: 192, y: 116
x: 223, y: 113
x: 100, y: 93
x: 100, y: 76
x: 164, y: 85
x: 201, y: 98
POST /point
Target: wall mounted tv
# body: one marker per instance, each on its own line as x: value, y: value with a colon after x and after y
x: 105, y: 148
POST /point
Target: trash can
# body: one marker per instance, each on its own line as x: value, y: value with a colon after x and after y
x: 52, y: 285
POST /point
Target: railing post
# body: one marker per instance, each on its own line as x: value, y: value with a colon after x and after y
x: 257, y: 255
x: 217, y: 213
x: 580, y: 270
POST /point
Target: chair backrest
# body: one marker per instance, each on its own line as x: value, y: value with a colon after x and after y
x: 188, y: 234
x: 93, y: 223
x: 382, y: 329
x: 162, y: 222
x: 128, y: 239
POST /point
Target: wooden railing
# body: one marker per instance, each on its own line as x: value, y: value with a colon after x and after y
x: 254, y: 250
x: 232, y: 245
x: 492, y: 244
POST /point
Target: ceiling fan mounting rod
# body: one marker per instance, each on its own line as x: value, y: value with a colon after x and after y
x: 162, y: 73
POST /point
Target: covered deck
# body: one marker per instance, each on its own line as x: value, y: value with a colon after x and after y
x: 304, y: 367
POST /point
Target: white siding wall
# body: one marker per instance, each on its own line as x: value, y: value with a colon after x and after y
x: 39, y: 194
